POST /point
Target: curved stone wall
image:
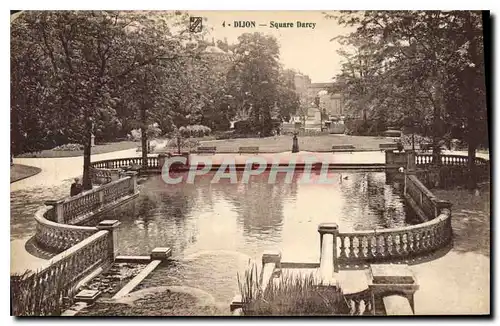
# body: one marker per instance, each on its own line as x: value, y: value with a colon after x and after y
x: 56, y: 225
x: 58, y: 237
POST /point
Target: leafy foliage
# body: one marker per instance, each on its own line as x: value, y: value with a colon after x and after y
x: 290, y: 295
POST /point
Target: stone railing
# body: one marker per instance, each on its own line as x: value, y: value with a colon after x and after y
x: 58, y: 237
x: 389, y: 244
x: 57, y: 226
x: 76, y: 209
x: 397, y: 243
x: 427, y: 205
x: 449, y: 160
x: 360, y: 303
x: 452, y: 171
x: 120, y: 163
x: 64, y: 273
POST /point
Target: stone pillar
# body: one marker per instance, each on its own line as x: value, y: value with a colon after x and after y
x: 333, y: 229
x: 410, y: 160
x: 389, y: 158
x: 161, y: 160
x: 110, y: 226
x: 388, y: 280
x: 92, y: 140
x: 442, y: 204
x: 58, y: 216
x: 270, y: 261
x: 101, y: 198
x: 133, y: 179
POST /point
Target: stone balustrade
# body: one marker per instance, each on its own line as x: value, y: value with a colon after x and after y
x: 57, y: 228
x: 74, y: 210
x: 61, y: 276
x: 422, y: 197
x: 361, y: 303
x: 401, y: 243
x: 58, y: 237
x: 368, y: 246
x: 120, y: 163
x: 448, y: 160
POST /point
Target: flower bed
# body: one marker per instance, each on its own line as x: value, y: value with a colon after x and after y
x: 69, y: 147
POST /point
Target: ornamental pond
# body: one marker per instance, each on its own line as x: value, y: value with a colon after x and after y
x: 214, y: 229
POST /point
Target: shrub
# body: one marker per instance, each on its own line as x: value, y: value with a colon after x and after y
x: 290, y: 295
x: 243, y: 126
x: 135, y: 135
x: 407, y: 139
x: 153, y: 131
x: 69, y: 147
x: 360, y: 127
x: 225, y: 135
x: 183, y: 143
x: 195, y: 131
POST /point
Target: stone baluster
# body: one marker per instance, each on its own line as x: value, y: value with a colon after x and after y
x: 387, y: 246
x: 379, y: 242
x: 369, y: 252
x: 351, y: 247
x: 342, y: 254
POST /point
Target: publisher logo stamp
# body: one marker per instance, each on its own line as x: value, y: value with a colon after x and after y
x: 195, y: 24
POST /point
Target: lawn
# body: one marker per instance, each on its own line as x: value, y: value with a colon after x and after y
x: 279, y: 144
x: 98, y: 149
x: 19, y: 172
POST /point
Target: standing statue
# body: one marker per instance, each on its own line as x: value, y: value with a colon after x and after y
x: 295, y: 146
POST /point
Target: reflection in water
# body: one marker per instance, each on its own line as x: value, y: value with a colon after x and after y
x: 250, y: 218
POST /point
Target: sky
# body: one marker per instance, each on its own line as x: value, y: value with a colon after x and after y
x: 307, y: 50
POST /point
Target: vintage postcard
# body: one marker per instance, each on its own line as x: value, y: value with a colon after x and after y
x: 250, y: 163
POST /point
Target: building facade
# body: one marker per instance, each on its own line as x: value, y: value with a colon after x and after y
x: 329, y: 102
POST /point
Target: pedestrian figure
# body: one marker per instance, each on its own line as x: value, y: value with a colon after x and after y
x: 76, y: 188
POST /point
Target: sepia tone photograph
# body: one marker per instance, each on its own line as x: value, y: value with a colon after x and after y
x: 250, y: 163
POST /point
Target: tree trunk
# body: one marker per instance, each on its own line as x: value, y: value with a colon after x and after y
x: 144, y: 138
x: 87, y: 181
x: 471, y: 166
x: 437, y: 120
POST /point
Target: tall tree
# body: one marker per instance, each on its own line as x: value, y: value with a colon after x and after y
x: 90, y: 60
x: 256, y: 71
x: 417, y: 59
